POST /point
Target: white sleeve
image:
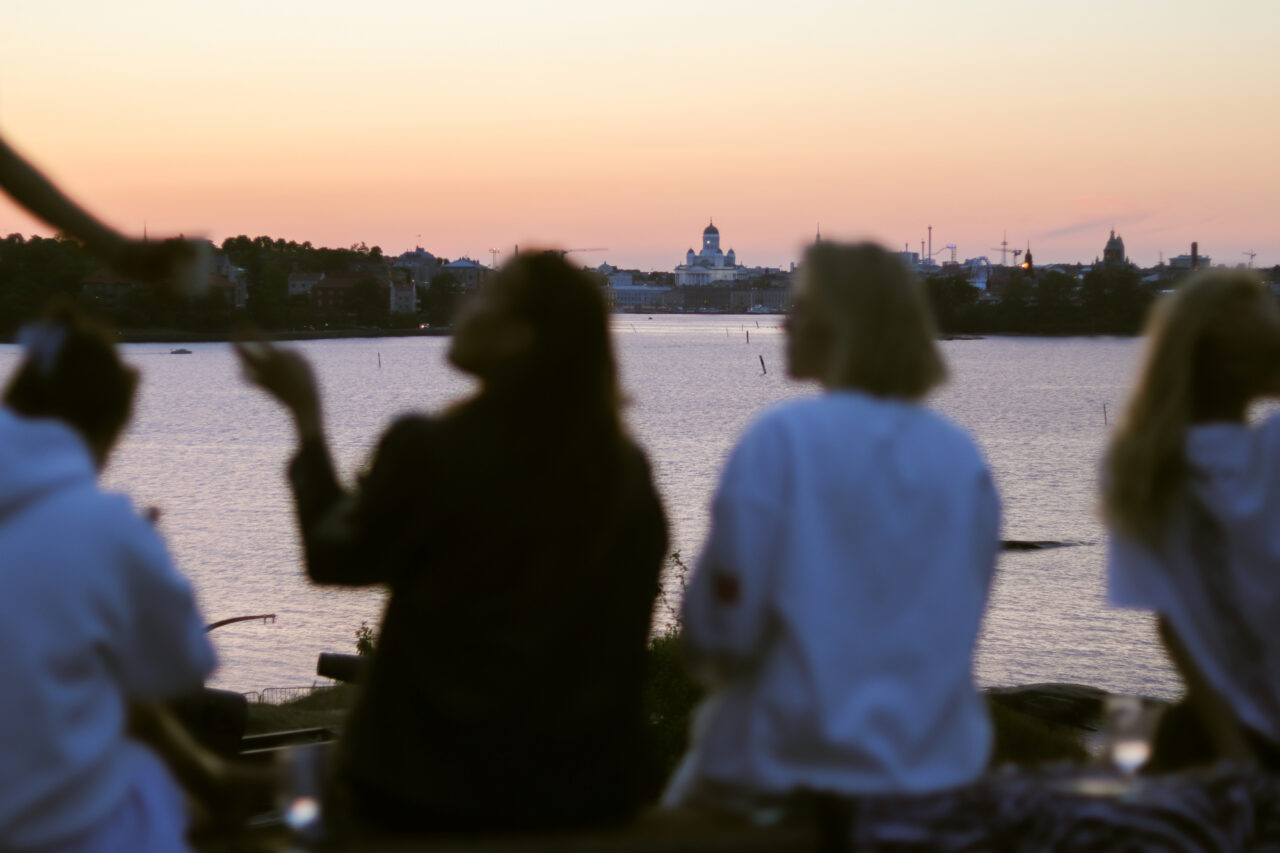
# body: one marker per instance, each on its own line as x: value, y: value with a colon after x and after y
x: 1133, y: 575
x: 163, y: 650
x: 727, y: 606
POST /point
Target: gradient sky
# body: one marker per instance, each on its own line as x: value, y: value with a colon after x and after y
x: 495, y: 122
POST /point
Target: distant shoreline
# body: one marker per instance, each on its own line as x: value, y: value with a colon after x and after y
x: 180, y: 336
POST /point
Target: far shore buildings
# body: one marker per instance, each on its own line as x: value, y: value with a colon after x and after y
x: 710, y: 265
x: 1113, y: 255
x: 331, y: 291
x: 226, y: 280
x: 469, y: 273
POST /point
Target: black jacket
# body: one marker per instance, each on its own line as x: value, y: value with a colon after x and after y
x: 506, y: 690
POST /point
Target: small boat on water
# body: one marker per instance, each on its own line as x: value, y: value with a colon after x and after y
x: 179, y: 351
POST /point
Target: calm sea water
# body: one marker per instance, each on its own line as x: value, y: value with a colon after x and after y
x: 210, y: 452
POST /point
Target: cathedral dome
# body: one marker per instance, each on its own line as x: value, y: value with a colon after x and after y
x: 711, y: 229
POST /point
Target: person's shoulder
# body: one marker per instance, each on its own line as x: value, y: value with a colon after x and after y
x: 945, y: 429
x: 788, y: 414
x: 116, y: 519
x: 1268, y: 430
x: 414, y: 424
x: 408, y: 434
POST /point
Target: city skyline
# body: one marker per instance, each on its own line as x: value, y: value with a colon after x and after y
x: 580, y: 125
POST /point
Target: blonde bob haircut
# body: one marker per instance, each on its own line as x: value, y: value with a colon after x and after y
x: 882, y: 335
x: 1213, y: 345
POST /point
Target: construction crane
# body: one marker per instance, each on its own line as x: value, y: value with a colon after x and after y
x: 1004, y: 250
x: 564, y: 252
x: 1252, y: 254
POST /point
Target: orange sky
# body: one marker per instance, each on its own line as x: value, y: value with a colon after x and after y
x: 581, y: 125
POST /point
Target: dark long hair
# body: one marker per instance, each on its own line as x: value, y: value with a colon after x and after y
x: 569, y: 371
x: 72, y: 372
x: 555, y: 408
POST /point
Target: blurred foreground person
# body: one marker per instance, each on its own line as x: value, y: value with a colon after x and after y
x: 521, y: 539
x: 836, y: 605
x: 176, y: 265
x: 95, y: 622
x: 1191, y: 495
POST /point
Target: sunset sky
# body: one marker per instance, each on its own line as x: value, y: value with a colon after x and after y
x: 495, y: 122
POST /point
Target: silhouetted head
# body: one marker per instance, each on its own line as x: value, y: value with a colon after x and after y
x: 72, y: 372
x: 539, y: 328
x: 1213, y: 347
x: 860, y: 320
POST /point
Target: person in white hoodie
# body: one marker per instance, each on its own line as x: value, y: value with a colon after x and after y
x: 96, y: 625
x: 1191, y: 497
x: 835, y: 607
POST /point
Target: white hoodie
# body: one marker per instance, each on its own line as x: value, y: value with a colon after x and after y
x: 92, y: 616
x: 853, y: 541
x: 1217, y: 578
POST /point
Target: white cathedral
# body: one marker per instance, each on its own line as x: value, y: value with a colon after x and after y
x: 709, y: 266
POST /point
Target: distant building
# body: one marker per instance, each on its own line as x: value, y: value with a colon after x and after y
x: 106, y: 287
x: 301, y: 283
x: 709, y: 265
x: 420, y: 263
x: 1113, y: 256
x: 771, y: 300
x: 1187, y: 263
x: 404, y: 296
x: 236, y: 276
x: 615, y: 277
x: 226, y: 288
x: 469, y: 273
x: 638, y: 296
x: 331, y: 293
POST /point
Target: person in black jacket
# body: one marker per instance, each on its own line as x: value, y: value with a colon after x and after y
x: 522, y: 539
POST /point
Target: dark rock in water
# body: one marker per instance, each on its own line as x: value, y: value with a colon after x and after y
x: 179, y: 351
x: 1037, y: 544
x: 1077, y: 705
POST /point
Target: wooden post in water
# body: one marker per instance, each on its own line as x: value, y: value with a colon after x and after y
x: 379, y: 360
x: 1104, y: 415
x: 748, y: 336
x: 763, y: 370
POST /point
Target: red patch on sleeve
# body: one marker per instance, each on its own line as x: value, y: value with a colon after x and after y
x: 727, y: 588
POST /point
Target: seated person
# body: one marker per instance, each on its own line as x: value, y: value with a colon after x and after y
x: 95, y: 623
x: 521, y: 539
x: 835, y: 608
x: 1191, y: 496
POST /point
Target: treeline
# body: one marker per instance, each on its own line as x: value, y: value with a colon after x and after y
x: 1048, y: 302
x: 34, y: 271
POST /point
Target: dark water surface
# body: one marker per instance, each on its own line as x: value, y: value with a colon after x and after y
x: 211, y: 453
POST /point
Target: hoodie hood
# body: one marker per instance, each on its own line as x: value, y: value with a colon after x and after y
x: 37, y: 456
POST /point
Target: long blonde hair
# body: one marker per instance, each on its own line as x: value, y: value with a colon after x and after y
x: 1214, y: 343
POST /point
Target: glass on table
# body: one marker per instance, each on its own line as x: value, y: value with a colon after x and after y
x: 1127, y: 744
x: 302, y: 776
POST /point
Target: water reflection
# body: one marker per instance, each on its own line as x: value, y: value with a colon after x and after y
x: 208, y: 450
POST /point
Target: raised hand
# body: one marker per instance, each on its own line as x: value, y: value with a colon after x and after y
x: 286, y: 376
